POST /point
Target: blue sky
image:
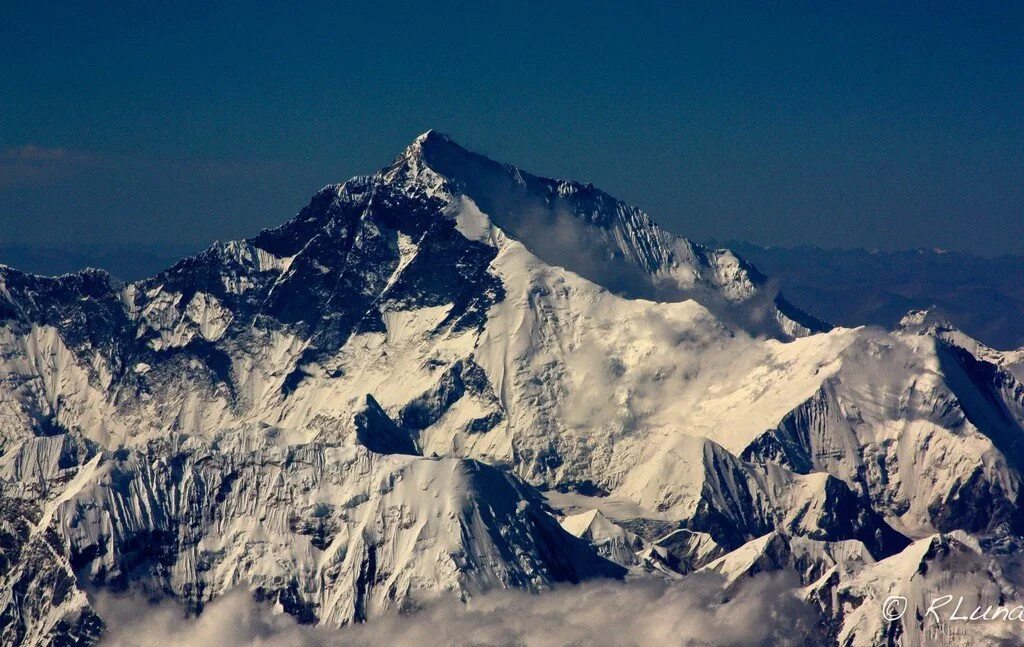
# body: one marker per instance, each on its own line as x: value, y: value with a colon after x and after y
x: 889, y: 125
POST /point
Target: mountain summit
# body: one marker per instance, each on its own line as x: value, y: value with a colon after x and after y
x: 397, y: 395
x: 602, y: 239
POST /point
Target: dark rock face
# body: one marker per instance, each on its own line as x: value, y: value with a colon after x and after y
x: 462, y: 378
x: 379, y: 433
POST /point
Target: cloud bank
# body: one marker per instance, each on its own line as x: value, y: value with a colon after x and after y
x: 690, y: 612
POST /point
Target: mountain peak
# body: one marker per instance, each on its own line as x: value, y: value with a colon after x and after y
x: 433, y: 136
x: 596, y: 236
x: 428, y: 143
x: 925, y: 321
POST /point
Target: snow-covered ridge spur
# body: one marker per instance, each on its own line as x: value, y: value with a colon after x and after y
x: 392, y: 397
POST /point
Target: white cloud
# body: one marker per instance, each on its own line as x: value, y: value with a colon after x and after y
x: 233, y: 620
x: 596, y: 613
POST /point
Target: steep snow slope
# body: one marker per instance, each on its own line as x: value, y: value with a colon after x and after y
x: 931, y: 434
x: 332, y: 534
x: 924, y: 574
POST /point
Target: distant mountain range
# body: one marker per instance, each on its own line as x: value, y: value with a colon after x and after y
x: 982, y: 296
x: 453, y: 376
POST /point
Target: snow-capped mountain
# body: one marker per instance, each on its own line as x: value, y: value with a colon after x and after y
x: 396, y: 395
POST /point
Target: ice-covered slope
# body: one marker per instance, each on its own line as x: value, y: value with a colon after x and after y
x: 535, y: 331
x: 922, y: 576
x: 932, y: 434
x: 331, y: 534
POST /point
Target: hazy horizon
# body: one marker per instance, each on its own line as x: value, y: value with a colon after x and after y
x: 871, y: 126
